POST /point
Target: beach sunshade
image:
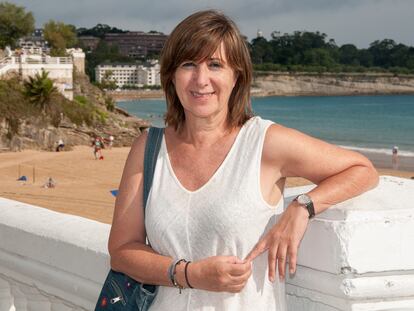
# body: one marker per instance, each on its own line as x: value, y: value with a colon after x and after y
x: 114, y: 192
x: 22, y: 178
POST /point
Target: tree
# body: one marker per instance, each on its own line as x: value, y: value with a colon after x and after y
x: 381, y: 52
x: 39, y: 90
x: 60, y: 36
x: 261, y: 51
x: 15, y: 23
x: 318, y: 57
x: 100, y: 30
x: 108, y: 82
x: 104, y: 53
x: 348, y: 54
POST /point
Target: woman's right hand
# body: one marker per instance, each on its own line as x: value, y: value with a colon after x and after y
x: 219, y: 274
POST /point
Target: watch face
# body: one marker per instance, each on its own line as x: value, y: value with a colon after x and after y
x: 304, y: 199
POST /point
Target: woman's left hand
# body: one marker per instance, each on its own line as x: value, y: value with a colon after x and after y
x: 283, y: 240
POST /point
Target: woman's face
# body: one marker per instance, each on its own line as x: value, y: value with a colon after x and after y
x: 204, y: 88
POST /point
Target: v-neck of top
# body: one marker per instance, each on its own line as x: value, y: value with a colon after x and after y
x: 216, y: 172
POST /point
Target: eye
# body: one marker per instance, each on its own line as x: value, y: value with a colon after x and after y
x: 188, y: 64
x: 215, y: 65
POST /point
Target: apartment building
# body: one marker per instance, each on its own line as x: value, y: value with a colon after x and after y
x: 137, y: 44
x: 89, y: 43
x: 130, y: 74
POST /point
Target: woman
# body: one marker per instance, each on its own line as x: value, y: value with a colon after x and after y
x: 219, y: 181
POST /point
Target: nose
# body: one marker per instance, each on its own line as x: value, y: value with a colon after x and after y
x: 201, y: 75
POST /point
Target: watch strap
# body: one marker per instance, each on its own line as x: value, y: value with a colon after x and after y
x: 309, y: 206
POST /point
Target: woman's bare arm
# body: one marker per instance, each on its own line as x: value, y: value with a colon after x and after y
x: 339, y: 174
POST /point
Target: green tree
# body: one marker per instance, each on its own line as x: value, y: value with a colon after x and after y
x: 108, y: 82
x: 40, y: 90
x: 261, y: 51
x: 100, y: 30
x: 60, y: 37
x: 381, y: 52
x: 348, y: 54
x: 104, y: 53
x: 318, y: 57
x: 15, y: 23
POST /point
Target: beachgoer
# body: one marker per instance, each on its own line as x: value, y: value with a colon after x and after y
x: 395, y: 161
x: 60, y: 145
x: 50, y: 183
x: 111, y: 141
x: 97, y: 148
x: 218, y: 183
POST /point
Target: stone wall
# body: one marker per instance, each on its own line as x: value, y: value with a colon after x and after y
x: 356, y: 256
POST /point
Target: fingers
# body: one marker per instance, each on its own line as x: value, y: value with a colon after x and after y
x: 240, y: 269
x: 281, y: 261
x: 237, y: 283
x: 260, y: 248
x: 292, y: 251
x: 272, y: 262
x: 242, y: 277
x: 233, y: 260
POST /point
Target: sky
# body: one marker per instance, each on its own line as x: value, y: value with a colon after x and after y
x: 359, y: 22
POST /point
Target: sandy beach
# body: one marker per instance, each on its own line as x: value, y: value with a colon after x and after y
x: 84, y: 184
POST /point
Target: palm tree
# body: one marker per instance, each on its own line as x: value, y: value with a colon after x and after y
x: 39, y: 89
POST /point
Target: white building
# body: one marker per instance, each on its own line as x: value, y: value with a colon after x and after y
x: 136, y: 75
x: 60, y: 69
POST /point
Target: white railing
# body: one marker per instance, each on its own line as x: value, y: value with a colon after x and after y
x: 37, y: 59
x: 356, y: 256
x: 5, y: 60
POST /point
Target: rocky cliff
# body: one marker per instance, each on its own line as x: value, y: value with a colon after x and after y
x: 290, y: 84
x: 41, y: 132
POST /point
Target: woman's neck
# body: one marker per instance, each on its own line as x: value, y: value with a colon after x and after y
x: 204, y: 132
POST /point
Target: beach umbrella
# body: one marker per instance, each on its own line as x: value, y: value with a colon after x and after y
x: 22, y: 178
x: 114, y: 192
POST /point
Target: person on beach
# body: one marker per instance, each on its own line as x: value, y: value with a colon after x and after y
x: 97, y: 146
x: 395, y: 160
x: 60, y: 145
x: 215, y: 214
x: 110, y: 141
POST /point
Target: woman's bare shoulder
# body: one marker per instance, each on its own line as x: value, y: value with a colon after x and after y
x: 299, y: 154
x: 136, y: 154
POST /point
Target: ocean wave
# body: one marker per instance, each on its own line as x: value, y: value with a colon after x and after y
x: 388, y: 151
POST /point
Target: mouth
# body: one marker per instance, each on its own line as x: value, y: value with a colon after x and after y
x: 201, y: 94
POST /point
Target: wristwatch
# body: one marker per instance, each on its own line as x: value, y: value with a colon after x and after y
x: 306, y: 202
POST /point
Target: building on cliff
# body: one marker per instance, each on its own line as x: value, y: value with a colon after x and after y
x: 29, y: 62
x: 137, y: 44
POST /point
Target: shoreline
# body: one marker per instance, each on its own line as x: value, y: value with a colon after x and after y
x: 259, y: 94
x: 83, y: 184
x: 270, y: 83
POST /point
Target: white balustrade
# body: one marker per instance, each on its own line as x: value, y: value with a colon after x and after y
x: 356, y: 256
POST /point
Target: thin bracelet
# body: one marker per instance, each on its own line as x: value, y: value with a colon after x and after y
x: 172, y: 271
x: 185, y: 274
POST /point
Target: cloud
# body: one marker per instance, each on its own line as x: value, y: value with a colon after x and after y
x: 344, y: 20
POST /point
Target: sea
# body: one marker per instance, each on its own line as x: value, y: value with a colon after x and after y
x: 371, y: 124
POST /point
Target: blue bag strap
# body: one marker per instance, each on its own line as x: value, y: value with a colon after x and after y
x: 152, y: 148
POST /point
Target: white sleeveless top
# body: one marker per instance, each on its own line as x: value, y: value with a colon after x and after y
x: 225, y: 217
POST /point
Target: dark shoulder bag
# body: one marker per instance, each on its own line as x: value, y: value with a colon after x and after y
x: 121, y: 292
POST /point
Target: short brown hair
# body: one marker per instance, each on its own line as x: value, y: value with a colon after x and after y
x: 197, y: 38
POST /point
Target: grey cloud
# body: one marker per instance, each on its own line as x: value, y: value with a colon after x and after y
x: 340, y: 19
x: 93, y: 10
